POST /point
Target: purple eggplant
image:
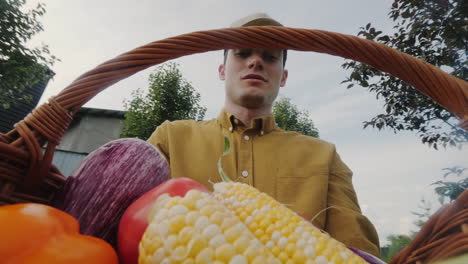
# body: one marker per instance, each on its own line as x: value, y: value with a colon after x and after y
x: 107, y: 181
x: 366, y: 256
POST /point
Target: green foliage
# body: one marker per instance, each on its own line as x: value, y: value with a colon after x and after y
x: 396, y: 244
x: 288, y: 117
x: 434, y: 31
x: 170, y: 97
x: 452, y: 189
x: 445, y: 189
x: 423, y: 213
x: 21, y: 67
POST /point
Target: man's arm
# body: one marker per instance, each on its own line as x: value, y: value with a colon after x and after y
x: 159, y: 140
x: 345, y: 221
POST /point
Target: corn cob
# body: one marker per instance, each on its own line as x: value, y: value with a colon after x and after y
x: 287, y: 235
x: 198, y: 229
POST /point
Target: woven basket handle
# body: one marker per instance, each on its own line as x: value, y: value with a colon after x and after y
x: 50, y: 121
x: 448, y: 91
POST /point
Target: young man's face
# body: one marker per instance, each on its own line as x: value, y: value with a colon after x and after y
x: 253, y: 76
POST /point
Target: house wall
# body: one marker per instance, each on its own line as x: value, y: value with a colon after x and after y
x: 66, y: 161
x: 87, y: 133
x: 90, y: 133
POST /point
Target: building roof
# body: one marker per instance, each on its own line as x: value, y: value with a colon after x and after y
x: 17, y: 112
x: 100, y: 112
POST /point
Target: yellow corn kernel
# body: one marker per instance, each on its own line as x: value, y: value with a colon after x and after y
x: 275, y: 250
x: 192, y: 217
x: 299, y: 257
x: 283, y: 256
x: 241, y: 244
x: 176, y: 224
x: 198, y: 231
x: 180, y: 253
x: 282, y: 231
x: 217, y: 218
x: 197, y: 244
x: 205, y: 256
x: 225, y: 252
x: 172, y: 202
x: 259, y: 260
x: 290, y: 249
x: 231, y: 234
x: 185, y: 235
x: 188, y: 261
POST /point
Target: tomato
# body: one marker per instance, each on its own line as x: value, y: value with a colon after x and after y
x: 134, y: 221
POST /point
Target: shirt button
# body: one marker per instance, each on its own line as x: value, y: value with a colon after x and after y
x: 230, y: 129
x: 261, y: 133
x: 245, y: 173
x: 246, y: 137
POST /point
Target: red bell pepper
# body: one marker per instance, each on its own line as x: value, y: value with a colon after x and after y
x: 134, y: 221
x: 40, y: 234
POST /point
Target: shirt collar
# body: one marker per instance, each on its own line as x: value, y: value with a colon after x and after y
x: 264, y: 124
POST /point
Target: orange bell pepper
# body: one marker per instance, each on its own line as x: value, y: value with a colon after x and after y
x: 40, y: 234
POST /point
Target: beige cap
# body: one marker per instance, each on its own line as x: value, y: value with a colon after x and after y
x: 257, y: 19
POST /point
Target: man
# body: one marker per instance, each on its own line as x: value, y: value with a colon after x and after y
x: 302, y: 172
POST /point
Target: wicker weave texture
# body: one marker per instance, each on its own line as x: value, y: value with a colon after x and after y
x: 444, y: 235
x: 26, y: 173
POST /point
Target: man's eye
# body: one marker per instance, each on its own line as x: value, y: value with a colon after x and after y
x: 270, y: 57
x: 242, y: 54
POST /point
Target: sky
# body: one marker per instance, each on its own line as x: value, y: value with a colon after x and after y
x: 392, y: 172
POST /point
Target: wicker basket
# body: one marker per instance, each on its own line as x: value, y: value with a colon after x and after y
x: 26, y: 173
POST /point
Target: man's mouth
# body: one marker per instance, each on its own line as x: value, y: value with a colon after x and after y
x: 254, y: 77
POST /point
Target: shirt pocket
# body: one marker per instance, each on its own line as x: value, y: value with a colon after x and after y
x: 302, y: 190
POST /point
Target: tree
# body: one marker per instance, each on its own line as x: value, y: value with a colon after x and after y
x: 170, y: 97
x: 432, y: 30
x: 21, y: 67
x: 451, y: 189
x: 290, y: 118
x: 423, y: 213
x: 445, y: 189
x: 397, y: 243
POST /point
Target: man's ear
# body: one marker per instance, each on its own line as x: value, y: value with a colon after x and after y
x: 284, y: 78
x: 222, y: 76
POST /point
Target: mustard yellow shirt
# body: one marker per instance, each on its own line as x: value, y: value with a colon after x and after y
x: 302, y: 172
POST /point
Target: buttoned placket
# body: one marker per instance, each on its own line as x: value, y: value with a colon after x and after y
x: 246, y: 157
x: 245, y: 139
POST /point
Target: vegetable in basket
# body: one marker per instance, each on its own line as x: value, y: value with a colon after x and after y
x: 235, y: 224
x: 35, y: 233
x: 107, y: 181
x: 135, y: 219
x: 366, y: 256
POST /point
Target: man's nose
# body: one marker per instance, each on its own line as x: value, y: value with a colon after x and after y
x: 255, y: 62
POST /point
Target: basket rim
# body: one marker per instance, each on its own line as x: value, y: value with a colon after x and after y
x: 48, y: 123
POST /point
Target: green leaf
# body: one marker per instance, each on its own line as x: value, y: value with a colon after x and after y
x: 227, y: 148
x: 290, y: 118
x: 437, y: 35
x: 169, y: 97
x: 21, y: 66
